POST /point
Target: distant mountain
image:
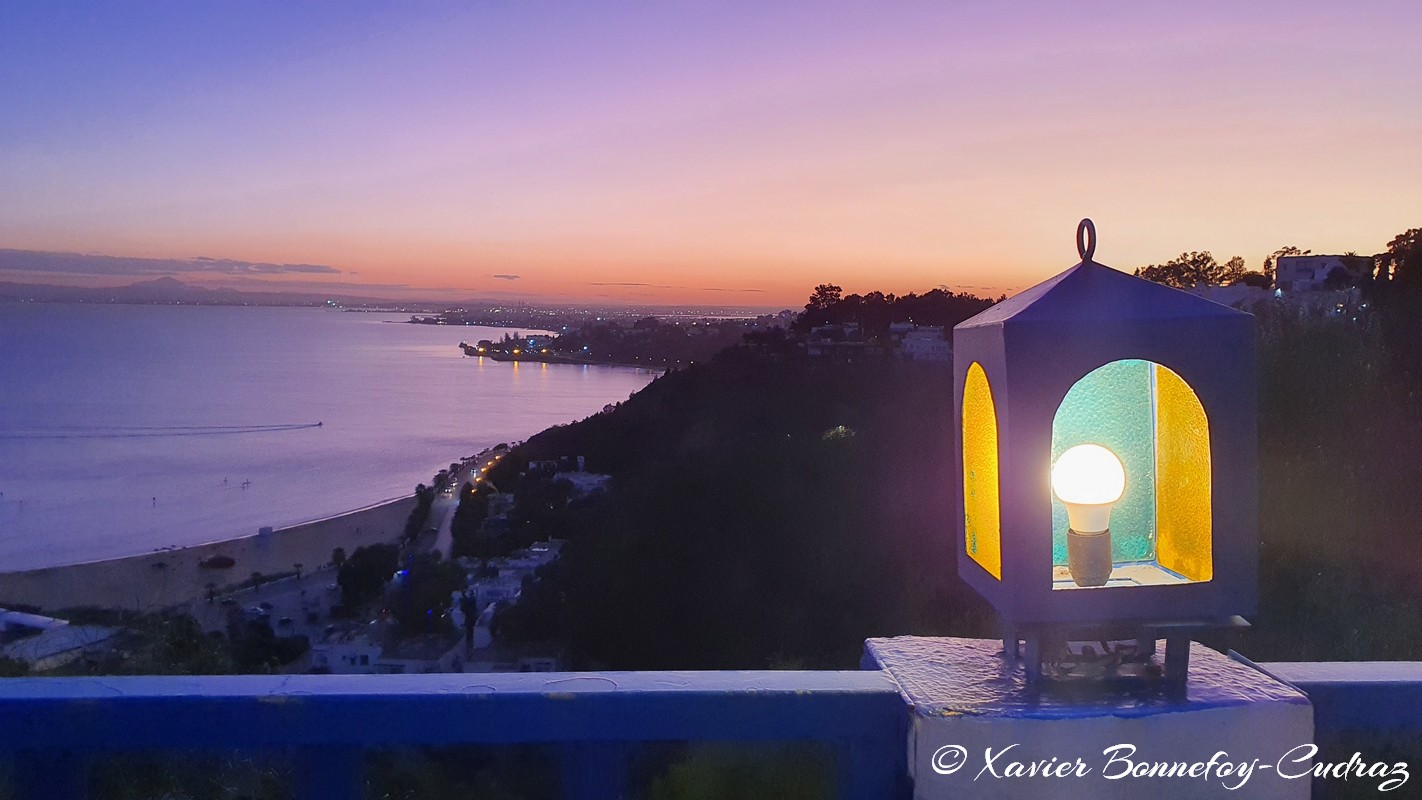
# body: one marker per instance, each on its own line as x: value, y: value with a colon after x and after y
x: 170, y: 291
x: 498, y: 313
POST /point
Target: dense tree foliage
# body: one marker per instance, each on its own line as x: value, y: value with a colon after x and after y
x: 1402, y: 261
x: 469, y: 515
x: 366, y: 571
x: 1195, y: 269
x: 420, y: 514
x: 541, y: 611
x: 751, y: 534
x: 1340, y: 427
x: 876, y: 311
x: 422, y: 598
x: 255, y: 647
x: 151, y: 644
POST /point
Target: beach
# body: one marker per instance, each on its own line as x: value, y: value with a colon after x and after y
x: 166, y: 578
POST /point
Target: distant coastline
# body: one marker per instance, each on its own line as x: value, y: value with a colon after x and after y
x: 546, y: 358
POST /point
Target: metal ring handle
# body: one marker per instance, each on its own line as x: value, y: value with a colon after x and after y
x: 1086, y: 240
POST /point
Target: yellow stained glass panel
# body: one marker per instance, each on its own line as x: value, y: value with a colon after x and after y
x: 1182, y: 485
x: 982, y: 513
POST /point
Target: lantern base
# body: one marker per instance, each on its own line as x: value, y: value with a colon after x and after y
x: 1123, y: 573
x: 1112, y: 652
x: 967, y: 708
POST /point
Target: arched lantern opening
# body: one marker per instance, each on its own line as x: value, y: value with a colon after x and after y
x: 1156, y: 529
x: 982, y: 509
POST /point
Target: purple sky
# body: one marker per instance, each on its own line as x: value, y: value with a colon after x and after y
x: 699, y: 153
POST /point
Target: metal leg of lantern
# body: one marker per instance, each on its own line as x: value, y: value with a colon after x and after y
x: 1177, y: 659
x: 1011, y: 644
x: 1034, y: 658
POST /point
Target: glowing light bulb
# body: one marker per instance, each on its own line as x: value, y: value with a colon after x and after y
x: 1088, y: 479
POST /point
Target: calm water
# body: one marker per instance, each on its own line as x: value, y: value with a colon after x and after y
x: 127, y: 428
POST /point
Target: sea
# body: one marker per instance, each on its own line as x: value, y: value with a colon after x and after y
x: 125, y: 429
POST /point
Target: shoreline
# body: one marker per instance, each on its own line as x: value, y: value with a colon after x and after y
x: 168, y: 549
x: 166, y: 578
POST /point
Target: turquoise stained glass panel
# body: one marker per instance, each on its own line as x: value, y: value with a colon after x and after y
x: 1113, y: 406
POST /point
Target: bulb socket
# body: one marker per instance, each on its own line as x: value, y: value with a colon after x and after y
x: 1089, y: 557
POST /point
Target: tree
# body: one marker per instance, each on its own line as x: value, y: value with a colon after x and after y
x: 257, y: 648
x: 1233, y: 271
x: 298, y: 566
x: 425, y: 594
x: 1397, y: 291
x: 825, y: 306
x: 1403, y: 259
x: 1337, y: 278
x: 364, y: 574
x: 424, y: 498
x: 876, y: 311
x: 539, y: 613
x: 1195, y: 268
x: 211, y: 592
x: 824, y: 296
x: 338, y: 557
x: 468, y: 517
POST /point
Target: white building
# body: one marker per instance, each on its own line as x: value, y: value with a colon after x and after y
x: 346, y: 653
x: 1311, y: 273
x: 353, y: 653
x: 516, y: 658
x: 426, y: 654
x: 20, y: 623
x: 497, y: 590
x: 59, y: 645
x: 584, y: 482
x: 927, y: 344
x: 483, y: 629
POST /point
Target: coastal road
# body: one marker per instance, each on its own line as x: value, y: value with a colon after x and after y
x: 442, y: 514
x: 444, y: 506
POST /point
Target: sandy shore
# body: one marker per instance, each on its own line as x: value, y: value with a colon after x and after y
x: 170, y: 577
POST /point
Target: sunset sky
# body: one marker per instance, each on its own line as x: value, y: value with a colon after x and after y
x: 709, y: 153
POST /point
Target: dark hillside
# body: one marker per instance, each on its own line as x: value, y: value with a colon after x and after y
x: 767, y: 512
x: 774, y: 509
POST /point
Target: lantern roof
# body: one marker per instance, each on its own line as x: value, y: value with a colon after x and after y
x: 1096, y: 292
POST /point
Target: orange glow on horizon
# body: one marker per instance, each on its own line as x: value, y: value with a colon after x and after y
x: 683, y: 155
